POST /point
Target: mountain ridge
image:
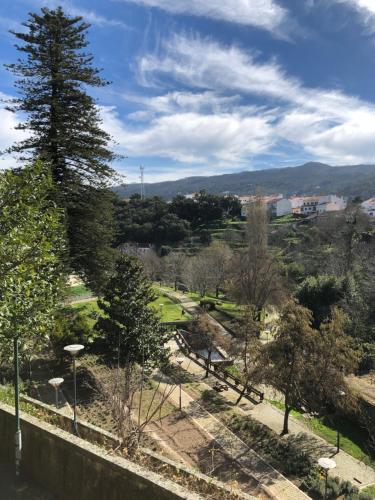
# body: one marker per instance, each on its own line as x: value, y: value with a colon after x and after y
x: 309, y: 178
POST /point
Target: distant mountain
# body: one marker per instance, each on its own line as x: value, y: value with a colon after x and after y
x: 310, y: 178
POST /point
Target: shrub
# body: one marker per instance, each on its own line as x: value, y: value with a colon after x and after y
x: 208, y: 304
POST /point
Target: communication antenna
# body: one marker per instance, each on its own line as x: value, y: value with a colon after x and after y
x: 142, y: 177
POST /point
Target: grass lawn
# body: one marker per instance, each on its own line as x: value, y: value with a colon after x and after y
x: 168, y: 310
x: 352, y: 438
x: 77, y: 291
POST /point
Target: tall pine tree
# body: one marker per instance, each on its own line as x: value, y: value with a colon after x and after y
x: 64, y: 127
x: 131, y: 328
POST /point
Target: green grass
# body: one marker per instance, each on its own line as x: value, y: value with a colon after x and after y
x: 169, y: 311
x: 77, y: 291
x: 352, y: 438
x: 370, y: 490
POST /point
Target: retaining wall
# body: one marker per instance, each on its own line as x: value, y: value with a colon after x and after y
x: 72, y: 468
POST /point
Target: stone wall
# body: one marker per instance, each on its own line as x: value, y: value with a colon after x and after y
x: 72, y: 468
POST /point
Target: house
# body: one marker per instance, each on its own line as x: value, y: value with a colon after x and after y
x: 308, y: 205
x: 368, y: 207
x: 269, y: 201
x: 283, y: 207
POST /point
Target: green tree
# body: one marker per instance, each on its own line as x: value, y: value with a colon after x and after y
x: 306, y: 365
x: 31, y: 246
x: 62, y: 120
x: 319, y: 294
x: 131, y: 328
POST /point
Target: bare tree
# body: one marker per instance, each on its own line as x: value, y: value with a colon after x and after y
x: 121, y: 390
x: 205, y: 335
x: 173, y: 267
x: 197, y: 273
x: 256, y: 277
x: 248, y: 348
x: 152, y: 265
x: 218, y: 257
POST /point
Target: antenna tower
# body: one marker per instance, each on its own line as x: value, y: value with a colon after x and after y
x: 142, y: 177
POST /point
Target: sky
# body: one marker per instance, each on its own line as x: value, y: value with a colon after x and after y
x: 204, y: 87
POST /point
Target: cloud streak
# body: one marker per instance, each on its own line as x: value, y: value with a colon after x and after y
x: 326, y: 123
x: 264, y: 14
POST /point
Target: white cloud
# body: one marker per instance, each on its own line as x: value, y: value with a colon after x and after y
x: 265, y: 14
x: 8, y: 133
x: 89, y: 16
x: 191, y: 137
x: 328, y: 124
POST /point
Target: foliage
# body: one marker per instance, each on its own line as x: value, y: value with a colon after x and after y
x: 72, y: 326
x: 31, y: 245
x: 64, y: 129
x: 314, y: 484
x: 305, y: 364
x: 319, y: 294
x: 131, y: 328
x: 148, y: 221
x: 288, y: 457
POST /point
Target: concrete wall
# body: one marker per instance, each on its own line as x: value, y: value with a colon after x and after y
x: 71, y: 468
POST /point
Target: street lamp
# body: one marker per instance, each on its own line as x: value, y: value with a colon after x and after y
x: 180, y: 360
x: 18, y: 435
x: 341, y: 394
x: 73, y: 350
x: 326, y: 464
x: 56, y: 382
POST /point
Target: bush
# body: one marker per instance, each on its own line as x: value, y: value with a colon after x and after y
x: 71, y: 327
x: 208, y: 304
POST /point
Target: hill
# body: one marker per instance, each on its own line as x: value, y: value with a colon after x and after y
x: 310, y: 178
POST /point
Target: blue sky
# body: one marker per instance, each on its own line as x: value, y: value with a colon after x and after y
x: 202, y: 87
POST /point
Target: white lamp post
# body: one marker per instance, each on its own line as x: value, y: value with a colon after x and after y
x: 180, y: 360
x: 73, y: 350
x: 56, y: 382
x: 326, y: 464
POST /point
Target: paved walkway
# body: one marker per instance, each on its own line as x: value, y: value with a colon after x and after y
x: 249, y: 460
x: 348, y: 468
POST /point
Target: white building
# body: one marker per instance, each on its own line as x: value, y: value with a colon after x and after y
x: 330, y: 203
x: 283, y: 207
x: 368, y: 207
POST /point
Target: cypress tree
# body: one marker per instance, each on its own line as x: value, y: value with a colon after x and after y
x: 131, y: 328
x: 63, y: 121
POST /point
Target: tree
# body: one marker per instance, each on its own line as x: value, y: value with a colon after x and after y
x: 31, y: 247
x: 205, y: 334
x: 63, y: 123
x: 174, y: 265
x: 306, y: 365
x: 256, y: 277
x: 248, y: 348
x: 218, y: 257
x: 288, y: 359
x: 131, y: 328
x: 319, y: 294
x: 197, y: 273
x: 31, y: 243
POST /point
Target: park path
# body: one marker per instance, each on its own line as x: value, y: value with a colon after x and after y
x: 274, y: 483
x: 348, y: 468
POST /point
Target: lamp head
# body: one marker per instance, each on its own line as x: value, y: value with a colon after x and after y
x: 74, y: 349
x: 56, y: 382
